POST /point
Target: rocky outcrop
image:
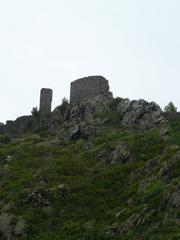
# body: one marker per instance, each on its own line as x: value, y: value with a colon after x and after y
x: 89, y: 108
x: 89, y: 96
x: 132, y: 113
x: 78, y: 131
x: 38, y: 198
x: 115, y: 154
x: 11, y: 227
x: 121, y: 154
x: 140, y: 112
x: 79, y: 112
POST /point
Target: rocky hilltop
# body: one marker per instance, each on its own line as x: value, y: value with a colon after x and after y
x: 96, y: 167
x: 89, y: 96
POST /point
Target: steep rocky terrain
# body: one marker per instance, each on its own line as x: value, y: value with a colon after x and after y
x: 103, y: 169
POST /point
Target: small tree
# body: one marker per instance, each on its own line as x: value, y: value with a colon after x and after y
x: 64, y: 105
x: 170, y: 107
x: 113, y: 104
x: 35, y: 112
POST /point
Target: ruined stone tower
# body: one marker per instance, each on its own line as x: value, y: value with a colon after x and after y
x: 89, y: 87
x: 45, y: 101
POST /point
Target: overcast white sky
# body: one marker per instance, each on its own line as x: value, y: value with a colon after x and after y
x: 135, y: 44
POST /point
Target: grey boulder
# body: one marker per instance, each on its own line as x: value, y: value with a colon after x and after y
x: 140, y: 112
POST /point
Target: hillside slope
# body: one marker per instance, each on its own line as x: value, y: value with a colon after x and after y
x: 114, y: 182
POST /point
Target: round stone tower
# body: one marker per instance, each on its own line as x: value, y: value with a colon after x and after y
x: 45, y: 101
x: 89, y: 87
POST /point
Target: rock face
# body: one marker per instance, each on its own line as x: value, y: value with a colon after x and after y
x: 140, y: 112
x: 82, y: 111
x: 78, y: 131
x: 121, y: 154
x: 87, y: 88
x: 88, y: 109
x: 132, y: 113
x: 116, y: 154
x: 45, y: 101
x: 8, y: 228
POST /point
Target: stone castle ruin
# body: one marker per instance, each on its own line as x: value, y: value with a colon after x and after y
x: 88, y: 96
x: 88, y: 88
x: 45, y: 101
x: 81, y: 90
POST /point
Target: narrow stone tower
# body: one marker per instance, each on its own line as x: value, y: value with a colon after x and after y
x: 45, y: 101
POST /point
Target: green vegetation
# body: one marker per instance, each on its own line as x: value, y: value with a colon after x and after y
x: 35, y: 112
x: 4, y: 139
x: 113, y: 104
x: 170, y: 107
x: 64, y: 105
x: 85, y: 197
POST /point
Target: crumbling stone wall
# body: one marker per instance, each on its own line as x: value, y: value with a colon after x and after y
x: 87, y: 88
x: 45, y: 101
x: 20, y: 125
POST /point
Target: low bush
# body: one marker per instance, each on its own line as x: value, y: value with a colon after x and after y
x: 4, y: 139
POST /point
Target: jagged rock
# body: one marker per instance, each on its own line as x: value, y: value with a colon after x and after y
x: 63, y: 190
x: 58, y: 117
x: 5, y: 171
x: 118, y: 214
x: 89, y: 108
x: 78, y: 131
x: 172, y: 116
x: 67, y: 134
x: 61, y: 187
x: 140, y: 113
x: 7, y: 207
x: 8, y: 230
x: 19, y: 227
x: 164, y: 132
x: 133, y: 221
x: 113, y: 229
x: 8, y: 158
x: 121, y: 154
x: 145, y: 183
x: 35, y: 199
x: 120, y: 229
x: 174, y: 200
x: 82, y: 110
x: 116, y: 154
x: 53, y: 142
x: 5, y: 225
x: 169, y: 169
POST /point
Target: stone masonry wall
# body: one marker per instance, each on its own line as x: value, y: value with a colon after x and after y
x: 87, y: 88
x: 45, y: 101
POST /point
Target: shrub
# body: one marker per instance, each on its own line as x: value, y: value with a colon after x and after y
x: 35, y: 112
x: 5, y: 139
x: 154, y: 195
x: 113, y: 104
x: 64, y: 106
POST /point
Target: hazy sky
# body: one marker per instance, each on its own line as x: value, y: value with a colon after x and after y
x: 135, y: 44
